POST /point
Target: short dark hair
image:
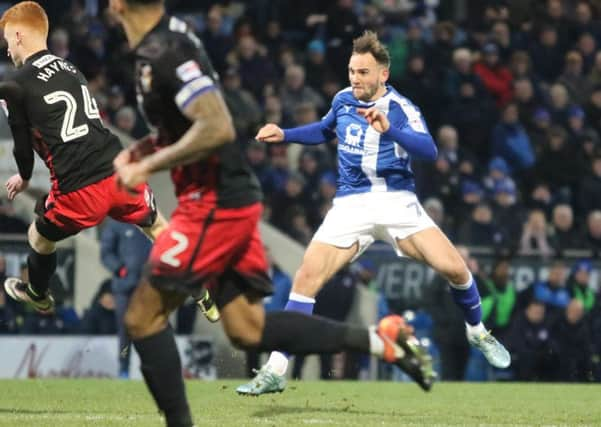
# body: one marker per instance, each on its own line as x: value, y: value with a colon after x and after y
x: 368, y: 43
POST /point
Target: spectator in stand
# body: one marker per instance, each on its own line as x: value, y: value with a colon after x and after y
x: 508, y: 213
x: 123, y: 251
x: 441, y: 178
x: 499, y: 298
x: 473, y: 115
x: 573, y: 344
x: 539, y: 131
x: 277, y: 176
x: 593, y: 232
x: 8, y: 319
x: 593, y: 106
x: 115, y: 101
x: 325, y: 195
x: 296, y: 224
x: 577, y: 126
x: 501, y: 36
x: 587, y: 47
x: 574, y: 79
x: 564, y: 234
x: 520, y: 66
x: 292, y: 196
x: 460, y: 73
x: 579, y: 284
x: 594, y: 318
x: 590, y: 193
x: 495, y: 76
x: 422, y: 87
x: 535, y: 238
x: 541, y: 198
x: 435, y: 210
x: 58, y: 44
x: 559, y: 104
x: 498, y: 170
x: 256, y: 155
x: 9, y: 222
x: 273, y: 39
x: 255, y: 68
x: 295, y: 91
x: 554, y: 14
x: 533, y: 354
x: 99, y: 318
x: 217, y: 42
x: 585, y: 21
x: 125, y: 120
x: 551, y: 291
x: 316, y: 64
x: 342, y: 26
x: 441, y: 50
x: 558, y: 165
x: 588, y: 145
x: 479, y: 229
x: 511, y: 142
x: 526, y: 101
x: 273, y: 109
x: 472, y: 194
x: 243, y: 106
x: 311, y: 170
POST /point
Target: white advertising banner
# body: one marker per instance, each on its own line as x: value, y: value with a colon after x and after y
x: 32, y: 356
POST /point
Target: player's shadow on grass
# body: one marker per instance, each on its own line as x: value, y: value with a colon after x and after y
x: 275, y: 410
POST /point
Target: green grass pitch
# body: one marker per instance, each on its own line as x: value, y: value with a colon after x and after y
x: 126, y: 403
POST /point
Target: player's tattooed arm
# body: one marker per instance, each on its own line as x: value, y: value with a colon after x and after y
x: 212, y: 127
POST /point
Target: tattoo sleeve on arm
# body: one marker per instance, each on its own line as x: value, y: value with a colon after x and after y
x: 212, y: 127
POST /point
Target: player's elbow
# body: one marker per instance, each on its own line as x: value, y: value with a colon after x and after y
x: 432, y: 153
x: 424, y: 148
x: 223, y: 132
x: 228, y: 132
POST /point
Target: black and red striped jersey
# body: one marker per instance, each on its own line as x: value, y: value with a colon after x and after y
x: 172, y: 70
x: 50, y: 106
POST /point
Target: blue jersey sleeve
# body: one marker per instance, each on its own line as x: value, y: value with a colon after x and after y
x: 314, y: 133
x: 409, y: 130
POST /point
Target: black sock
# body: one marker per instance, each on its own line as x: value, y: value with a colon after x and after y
x: 162, y: 370
x: 297, y: 333
x: 41, y: 268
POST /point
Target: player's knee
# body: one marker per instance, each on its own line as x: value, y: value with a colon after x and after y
x: 138, y: 325
x: 38, y: 242
x: 457, y: 273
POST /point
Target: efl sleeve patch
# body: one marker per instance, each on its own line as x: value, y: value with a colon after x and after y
x: 414, y: 117
x: 189, y: 70
x: 191, y: 90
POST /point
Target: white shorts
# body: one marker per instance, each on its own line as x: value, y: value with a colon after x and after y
x: 367, y: 217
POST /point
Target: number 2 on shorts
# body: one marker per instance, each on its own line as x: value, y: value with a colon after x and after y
x: 169, y: 256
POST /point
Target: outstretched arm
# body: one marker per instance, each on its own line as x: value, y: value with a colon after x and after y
x: 311, y: 134
x: 416, y: 142
x: 13, y: 95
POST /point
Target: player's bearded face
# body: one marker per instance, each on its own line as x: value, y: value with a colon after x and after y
x: 366, y: 76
